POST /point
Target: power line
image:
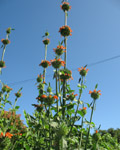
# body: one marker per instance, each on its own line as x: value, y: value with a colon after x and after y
x: 102, y: 61
x: 91, y: 64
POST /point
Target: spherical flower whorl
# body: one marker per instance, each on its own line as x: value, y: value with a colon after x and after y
x: 40, y: 78
x: 57, y: 63
x: 46, y: 41
x: 2, y: 64
x: 45, y: 63
x: 46, y: 33
x: 18, y: 94
x: 65, y: 30
x: 49, y: 89
x: 59, y: 50
x: 9, y: 135
x: 83, y: 71
x: 50, y: 100
x: 6, y: 88
x: 5, y: 41
x: 71, y: 96
x: 65, y: 6
x: 8, y: 31
x: 95, y: 94
x: 42, y: 98
x: 84, y: 111
x: 65, y: 74
x: 39, y: 107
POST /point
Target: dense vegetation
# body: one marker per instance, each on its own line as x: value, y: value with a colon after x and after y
x: 53, y: 124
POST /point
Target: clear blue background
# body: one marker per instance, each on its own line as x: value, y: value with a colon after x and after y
x: 95, y: 37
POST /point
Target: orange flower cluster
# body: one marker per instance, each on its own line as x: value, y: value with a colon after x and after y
x: 59, y: 47
x: 41, y: 76
x: 44, y: 96
x: 18, y: 94
x: 65, y: 30
x: 66, y: 75
x: 9, y: 135
x: 79, y: 69
x: 1, y: 134
x: 46, y: 41
x: 45, y: 63
x: 55, y: 97
x: 83, y: 71
x: 71, y: 96
x: 95, y: 94
x: 65, y: 6
x: 6, y: 88
x: 96, y: 131
x: 5, y: 41
x: 84, y: 108
x: 59, y: 50
x: 58, y: 60
x: 94, y: 91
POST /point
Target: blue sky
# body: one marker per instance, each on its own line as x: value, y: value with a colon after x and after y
x: 95, y: 37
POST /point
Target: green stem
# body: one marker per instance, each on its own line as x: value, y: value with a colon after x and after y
x: 65, y: 59
x: 77, y: 106
x: 2, y: 57
x: 49, y: 130
x: 14, y: 145
x: 65, y: 39
x: 15, y: 103
x: 57, y: 90
x: 44, y: 71
x: 65, y: 42
x: 64, y: 102
x: 45, y: 52
x: 81, y: 134
x: 62, y: 143
x: 89, y: 125
x: 3, y: 52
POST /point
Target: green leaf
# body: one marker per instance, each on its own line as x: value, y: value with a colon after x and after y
x: 70, y: 106
x: 70, y: 111
x: 96, y: 86
x: 84, y: 86
x: 64, y: 143
x: 80, y: 113
x: 17, y: 107
x: 79, y: 85
x: 54, y: 124
x: 26, y: 146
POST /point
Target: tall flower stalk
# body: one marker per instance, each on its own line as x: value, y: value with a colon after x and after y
x: 46, y: 42
x: 89, y: 125
x: 95, y: 95
x: 57, y: 89
x: 5, y: 43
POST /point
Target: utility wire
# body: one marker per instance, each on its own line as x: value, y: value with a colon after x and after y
x: 90, y: 65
